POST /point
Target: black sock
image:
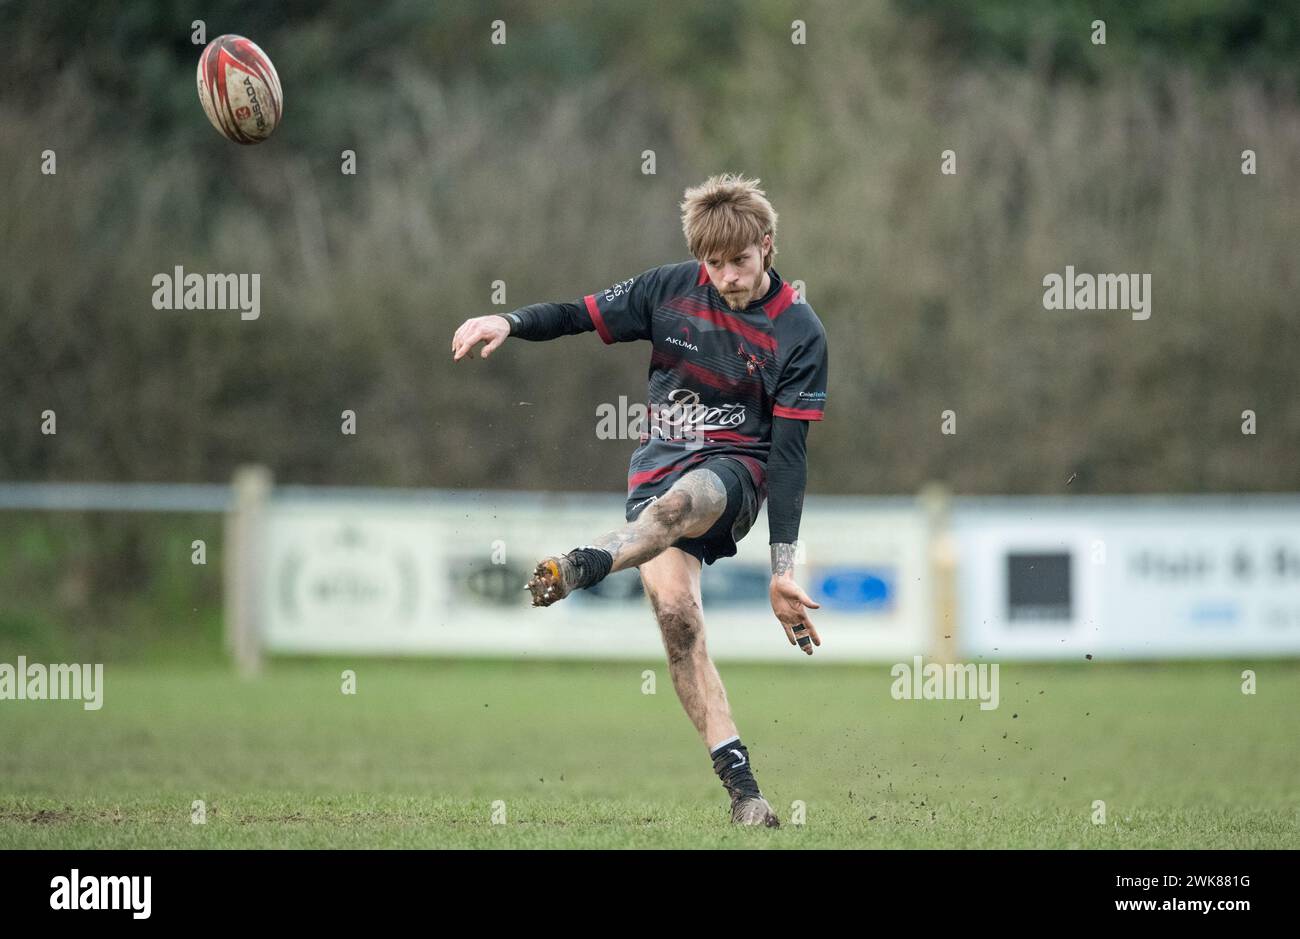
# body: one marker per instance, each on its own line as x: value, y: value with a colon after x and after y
x: 731, y: 763
x: 590, y: 565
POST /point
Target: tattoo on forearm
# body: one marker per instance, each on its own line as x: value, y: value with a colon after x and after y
x: 782, y: 559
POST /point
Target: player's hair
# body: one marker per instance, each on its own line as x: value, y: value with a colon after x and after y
x: 725, y: 214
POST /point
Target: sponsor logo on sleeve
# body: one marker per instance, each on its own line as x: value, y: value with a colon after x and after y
x: 618, y: 290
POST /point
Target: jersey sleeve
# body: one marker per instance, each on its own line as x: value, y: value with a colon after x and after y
x: 801, y: 389
x: 625, y: 311
x: 622, y: 313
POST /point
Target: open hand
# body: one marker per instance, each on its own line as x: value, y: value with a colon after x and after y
x: 492, y: 329
x: 791, y: 604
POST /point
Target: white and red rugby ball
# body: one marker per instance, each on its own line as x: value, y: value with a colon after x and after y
x: 239, y: 89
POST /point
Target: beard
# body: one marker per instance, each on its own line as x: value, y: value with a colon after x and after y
x: 738, y: 301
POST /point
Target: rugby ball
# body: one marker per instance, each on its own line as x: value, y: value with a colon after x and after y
x: 239, y: 89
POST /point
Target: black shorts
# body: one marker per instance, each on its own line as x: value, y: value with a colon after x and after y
x: 735, y: 521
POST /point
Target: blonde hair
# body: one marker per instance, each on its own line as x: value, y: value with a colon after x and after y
x: 726, y: 214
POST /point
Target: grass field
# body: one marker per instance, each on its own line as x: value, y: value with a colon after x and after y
x: 581, y: 758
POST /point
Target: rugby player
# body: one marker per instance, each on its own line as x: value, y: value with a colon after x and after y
x: 738, y: 369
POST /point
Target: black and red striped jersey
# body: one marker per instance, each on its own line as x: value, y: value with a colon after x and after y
x: 717, y: 376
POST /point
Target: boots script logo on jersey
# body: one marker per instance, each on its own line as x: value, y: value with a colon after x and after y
x: 684, y: 418
x: 684, y: 411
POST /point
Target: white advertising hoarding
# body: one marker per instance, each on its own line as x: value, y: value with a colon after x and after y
x: 1133, y: 577
x: 445, y: 575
